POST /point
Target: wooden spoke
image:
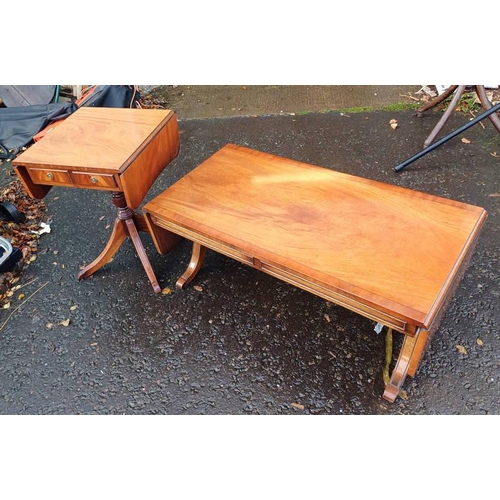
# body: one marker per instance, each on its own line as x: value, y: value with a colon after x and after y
x: 117, y: 237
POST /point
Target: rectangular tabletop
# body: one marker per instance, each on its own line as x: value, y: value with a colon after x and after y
x: 96, y: 139
x: 116, y: 149
x: 364, y: 244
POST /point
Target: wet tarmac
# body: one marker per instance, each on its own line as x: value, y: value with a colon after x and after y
x: 243, y: 342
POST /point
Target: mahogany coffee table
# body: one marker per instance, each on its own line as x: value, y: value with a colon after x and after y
x: 390, y: 254
x: 119, y: 150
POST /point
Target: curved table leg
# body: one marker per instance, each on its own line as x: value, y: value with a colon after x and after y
x: 136, y: 240
x: 117, y: 237
x: 485, y: 102
x: 194, y: 266
x: 126, y: 224
x: 407, y: 363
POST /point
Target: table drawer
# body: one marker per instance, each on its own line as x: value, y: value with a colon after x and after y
x: 101, y: 181
x: 46, y: 176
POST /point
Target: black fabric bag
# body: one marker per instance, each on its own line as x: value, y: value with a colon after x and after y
x: 18, y: 125
x: 111, y: 96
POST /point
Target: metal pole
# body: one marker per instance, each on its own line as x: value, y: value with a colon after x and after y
x: 430, y: 148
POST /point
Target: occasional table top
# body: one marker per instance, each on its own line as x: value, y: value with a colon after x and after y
x: 388, y: 247
x: 96, y: 139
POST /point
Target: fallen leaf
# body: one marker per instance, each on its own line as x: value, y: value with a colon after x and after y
x: 6, y: 305
x: 327, y: 318
x: 72, y: 308
x: 461, y: 349
x: 298, y: 406
x: 49, y: 325
x: 21, y: 296
x: 64, y: 322
x: 465, y: 141
x: 93, y: 344
x: 479, y: 342
x: 166, y: 291
x: 198, y: 288
x: 394, y: 124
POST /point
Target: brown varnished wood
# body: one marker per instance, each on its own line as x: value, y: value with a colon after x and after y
x: 391, y: 254
x: 165, y: 241
x: 113, y: 149
x: 135, y: 145
x: 126, y: 224
x: 379, y: 245
x: 409, y: 356
x: 194, y: 266
x: 37, y: 191
x: 117, y: 237
x: 140, y: 175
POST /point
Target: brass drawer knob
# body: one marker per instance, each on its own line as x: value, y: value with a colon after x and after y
x: 93, y: 180
x: 50, y: 176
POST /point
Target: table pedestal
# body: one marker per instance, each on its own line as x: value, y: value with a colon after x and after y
x: 128, y: 223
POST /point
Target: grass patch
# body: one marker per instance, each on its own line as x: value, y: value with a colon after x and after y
x: 390, y: 107
x: 366, y: 109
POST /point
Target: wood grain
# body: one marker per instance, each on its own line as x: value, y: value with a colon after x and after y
x: 133, y: 145
x: 373, y: 245
x: 113, y: 149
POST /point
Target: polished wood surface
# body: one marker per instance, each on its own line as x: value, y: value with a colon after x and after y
x: 120, y: 150
x: 115, y: 149
x: 381, y: 245
x: 391, y: 254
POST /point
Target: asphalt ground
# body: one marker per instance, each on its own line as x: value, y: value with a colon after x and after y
x: 244, y: 342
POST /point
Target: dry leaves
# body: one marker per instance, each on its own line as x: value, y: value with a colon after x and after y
x: 20, y: 235
x: 465, y: 141
x: 298, y: 406
x: 461, y: 349
x: 394, y: 124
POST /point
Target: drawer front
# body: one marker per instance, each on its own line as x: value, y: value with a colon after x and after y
x: 46, y: 176
x: 97, y: 181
